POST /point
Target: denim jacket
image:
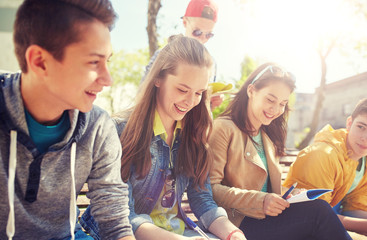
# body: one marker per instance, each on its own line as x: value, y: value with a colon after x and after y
x: 144, y: 193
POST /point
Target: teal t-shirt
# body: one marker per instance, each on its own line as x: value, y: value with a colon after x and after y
x: 260, y: 150
x: 359, y: 175
x: 45, y: 136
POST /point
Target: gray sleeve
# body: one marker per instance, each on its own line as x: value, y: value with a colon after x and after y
x: 108, y: 193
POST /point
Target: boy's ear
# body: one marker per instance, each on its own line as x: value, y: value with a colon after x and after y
x: 35, y: 57
x: 349, y: 122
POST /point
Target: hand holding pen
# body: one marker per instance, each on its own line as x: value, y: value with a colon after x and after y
x: 274, y: 204
x: 289, y: 191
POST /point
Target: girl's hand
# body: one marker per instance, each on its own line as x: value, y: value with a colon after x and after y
x: 274, y: 204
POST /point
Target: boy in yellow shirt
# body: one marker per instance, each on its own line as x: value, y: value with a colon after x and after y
x: 337, y: 160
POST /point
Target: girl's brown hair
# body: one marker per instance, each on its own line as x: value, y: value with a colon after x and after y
x: 237, y: 109
x: 196, y: 125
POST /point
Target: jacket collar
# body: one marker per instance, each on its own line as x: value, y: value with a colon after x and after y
x: 251, y: 152
x: 274, y: 170
x: 13, y: 116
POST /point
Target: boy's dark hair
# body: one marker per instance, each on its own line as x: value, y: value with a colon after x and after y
x: 55, y: 24
x: 361, y: 108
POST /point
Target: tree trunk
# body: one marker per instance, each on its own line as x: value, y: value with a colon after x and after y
x: 320, y: 99
x: 153, y: 9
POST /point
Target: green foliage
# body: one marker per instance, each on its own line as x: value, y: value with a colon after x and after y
x: 218, y: 110
x: 247, y: 66
x: 126, y: 70
x: 128, y: 67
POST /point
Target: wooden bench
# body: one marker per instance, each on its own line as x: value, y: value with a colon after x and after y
x: 82, y: 201
x: 285, y: 162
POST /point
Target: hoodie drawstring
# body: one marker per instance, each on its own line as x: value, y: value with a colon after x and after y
x: 73, y: 216
x: 10, y: 227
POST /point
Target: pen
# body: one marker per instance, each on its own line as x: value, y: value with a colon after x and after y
x: 289, y: 191
x: 196, y: 228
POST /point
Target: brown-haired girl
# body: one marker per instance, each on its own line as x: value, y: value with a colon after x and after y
x: 247, y: 141
x: 165, y: 147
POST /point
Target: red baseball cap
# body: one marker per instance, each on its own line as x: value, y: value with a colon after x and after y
x: 202, y: 8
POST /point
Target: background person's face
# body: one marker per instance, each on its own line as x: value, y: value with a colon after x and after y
x: 195, y: 23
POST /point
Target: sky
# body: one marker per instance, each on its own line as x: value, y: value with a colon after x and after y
x: 284, y: 31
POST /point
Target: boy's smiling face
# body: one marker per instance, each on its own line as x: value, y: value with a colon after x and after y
x: 75, y: 81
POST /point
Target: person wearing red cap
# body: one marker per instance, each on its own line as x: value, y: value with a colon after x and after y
x: 199, y: 21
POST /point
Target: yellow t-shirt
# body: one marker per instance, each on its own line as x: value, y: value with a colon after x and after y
x: 166, y: 218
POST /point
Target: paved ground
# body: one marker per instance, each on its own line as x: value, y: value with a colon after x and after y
x: 357, y: 236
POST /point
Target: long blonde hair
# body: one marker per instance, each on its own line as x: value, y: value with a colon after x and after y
x: 196, y: 125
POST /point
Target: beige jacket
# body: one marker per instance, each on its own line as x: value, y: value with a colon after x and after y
x: 238, y: 174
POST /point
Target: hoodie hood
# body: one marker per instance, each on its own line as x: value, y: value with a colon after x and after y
x: 336, y: 139
x: 12, y: 111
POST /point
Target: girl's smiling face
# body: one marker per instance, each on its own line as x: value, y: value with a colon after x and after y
x: 267, y: 103
x: 357, y: 136
x: 177, y: 94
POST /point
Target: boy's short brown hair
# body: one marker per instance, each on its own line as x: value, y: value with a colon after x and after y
x: 361, y: 108
x: 55, y: 24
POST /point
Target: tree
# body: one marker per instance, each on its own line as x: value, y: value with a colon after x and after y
x: 344, y: 43
x: 320, y: 95
x: 153, y: 9
x: 127, y: 69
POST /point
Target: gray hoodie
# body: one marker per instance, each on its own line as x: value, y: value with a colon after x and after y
x: 38, y: 191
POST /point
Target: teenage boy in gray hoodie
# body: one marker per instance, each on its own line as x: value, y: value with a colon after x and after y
x: 52, y: 138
